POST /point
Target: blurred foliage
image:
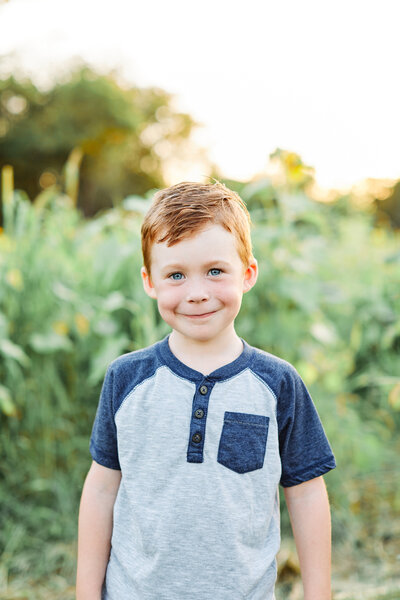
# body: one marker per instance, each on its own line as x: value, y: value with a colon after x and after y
x: 290, y: 171
x: 388, y: 209
x: 71, y: 300
x: 120, y: 137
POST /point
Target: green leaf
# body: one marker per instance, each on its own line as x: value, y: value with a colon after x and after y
x: 7, y: 405
x: 49, y: 342
x: 114, y: 301
x: 3, y: 325
x: 324, y: 333
x: 11, y: 350
x: 63, y: 292
x: 110, y: 350
x: 105, y: 327
x: 136, y: 204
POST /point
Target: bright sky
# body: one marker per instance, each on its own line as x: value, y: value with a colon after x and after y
x: 319, y: 78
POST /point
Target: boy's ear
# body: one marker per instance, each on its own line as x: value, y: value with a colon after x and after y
x: 250, y: 275
x: 147, y: 283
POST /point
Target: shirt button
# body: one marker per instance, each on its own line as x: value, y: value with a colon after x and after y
x: 203, y: 390
x: 199, y: 414
x: 196, y: 438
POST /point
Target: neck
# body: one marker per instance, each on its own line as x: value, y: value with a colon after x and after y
x: 208, y: 355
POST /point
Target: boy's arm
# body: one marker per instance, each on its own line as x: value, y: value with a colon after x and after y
x: 309, y: 512
x: 94, y: 531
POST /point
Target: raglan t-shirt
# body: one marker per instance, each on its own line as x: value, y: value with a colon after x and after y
x: 201, y: 456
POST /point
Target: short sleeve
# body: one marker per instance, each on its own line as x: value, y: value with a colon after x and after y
x: 304, y: 448
x: 103, y: 441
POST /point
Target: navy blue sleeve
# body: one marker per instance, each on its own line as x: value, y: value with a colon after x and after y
x: 103, y: 442
x: 304, y: 448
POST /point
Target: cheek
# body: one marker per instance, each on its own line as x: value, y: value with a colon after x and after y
x: 168, y: 298
x: 230, y: 293
x: 231, y: 298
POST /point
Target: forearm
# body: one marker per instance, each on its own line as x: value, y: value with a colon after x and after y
x: 94, y: 538
x: 308, y: 507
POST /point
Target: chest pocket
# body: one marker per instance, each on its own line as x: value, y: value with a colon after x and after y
x: 243, y: 441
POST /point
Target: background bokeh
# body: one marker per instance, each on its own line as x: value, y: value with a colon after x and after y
x: 81, y: 153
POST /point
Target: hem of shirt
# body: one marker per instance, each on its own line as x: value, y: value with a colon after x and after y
x: 309, y: 473
x: 104, y: 461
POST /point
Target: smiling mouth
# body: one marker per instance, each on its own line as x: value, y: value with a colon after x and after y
x: 201, y: 316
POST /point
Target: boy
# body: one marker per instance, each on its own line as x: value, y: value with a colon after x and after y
x: 193, y: 435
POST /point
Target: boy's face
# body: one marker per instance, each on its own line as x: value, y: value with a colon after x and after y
x: 199, y: 283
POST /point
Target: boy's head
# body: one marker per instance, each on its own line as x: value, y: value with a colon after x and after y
x: 198, y: 261
x: 182, y: 210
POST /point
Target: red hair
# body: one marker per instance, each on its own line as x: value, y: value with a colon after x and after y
x: 182, y: 210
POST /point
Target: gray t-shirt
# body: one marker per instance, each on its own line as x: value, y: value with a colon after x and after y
x: 197, y: 512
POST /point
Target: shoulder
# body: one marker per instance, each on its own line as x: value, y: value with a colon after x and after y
x: 129, y: 370
x: 144, y: 359
x: 276, y: 372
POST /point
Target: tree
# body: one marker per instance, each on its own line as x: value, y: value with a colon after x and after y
x: 120, y: 137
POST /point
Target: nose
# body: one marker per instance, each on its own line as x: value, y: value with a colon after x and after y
x: 197, y: 292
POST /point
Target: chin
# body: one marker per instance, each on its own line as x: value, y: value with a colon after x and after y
x: 194, y: 336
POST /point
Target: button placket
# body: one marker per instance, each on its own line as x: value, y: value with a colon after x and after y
x: 198, y: 422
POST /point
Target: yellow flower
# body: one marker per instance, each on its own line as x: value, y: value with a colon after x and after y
x: 394, y: 397
x: 82, y: 324
x: 14, y: 278
x: 60, y: 327
x: 6, y: 243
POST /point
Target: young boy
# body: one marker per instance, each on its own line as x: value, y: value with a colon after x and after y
x: 193, y: 435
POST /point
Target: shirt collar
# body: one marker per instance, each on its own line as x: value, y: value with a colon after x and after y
x: 225, y: 372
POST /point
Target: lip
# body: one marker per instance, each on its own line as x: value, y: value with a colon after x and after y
x: 200, y: 316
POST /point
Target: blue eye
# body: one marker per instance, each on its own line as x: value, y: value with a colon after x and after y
x: 176, y: 276
x: 215, y: 272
